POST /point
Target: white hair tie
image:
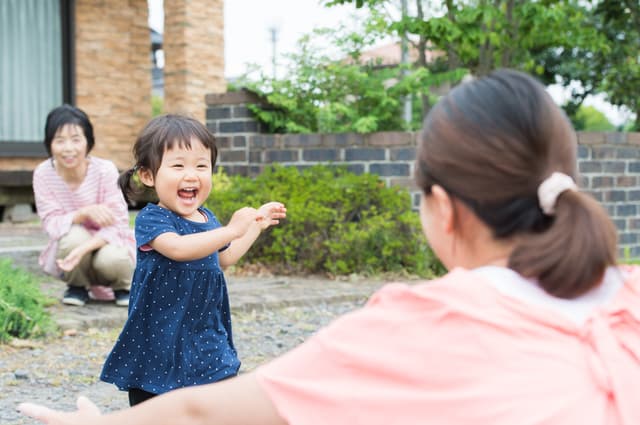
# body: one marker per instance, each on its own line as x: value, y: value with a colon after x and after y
x: 551, y: 188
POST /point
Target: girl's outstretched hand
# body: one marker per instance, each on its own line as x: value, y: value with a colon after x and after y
x: 87, y: 411
x: 242, y: 219
x: 270, y: 214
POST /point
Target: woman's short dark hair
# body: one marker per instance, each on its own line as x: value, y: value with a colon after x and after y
x: 63, y: 115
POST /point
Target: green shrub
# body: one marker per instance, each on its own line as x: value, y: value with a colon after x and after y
x: 337, y: 222
x: 22, y: 305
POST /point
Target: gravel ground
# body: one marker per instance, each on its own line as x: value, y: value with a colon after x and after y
x: 55, y: 372
x: 270, y: 316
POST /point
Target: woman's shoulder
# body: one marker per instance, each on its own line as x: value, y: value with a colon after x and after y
x: 456, y: 285
x: 102, y: 165
x: 44, y: 167
x: 631, y: 288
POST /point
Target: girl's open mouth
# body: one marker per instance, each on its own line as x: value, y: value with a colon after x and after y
x: 187, y: 193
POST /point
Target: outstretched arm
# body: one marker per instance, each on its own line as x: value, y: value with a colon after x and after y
x: 198, y: 245
x: 269, y: 214
x: 237, y: 401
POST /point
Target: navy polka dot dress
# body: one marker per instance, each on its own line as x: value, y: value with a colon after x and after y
x: 178, y: 332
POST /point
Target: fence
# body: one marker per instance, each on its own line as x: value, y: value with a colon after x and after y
x: 609, y: 163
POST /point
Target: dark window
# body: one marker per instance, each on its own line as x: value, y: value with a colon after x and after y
x: 36, y: 64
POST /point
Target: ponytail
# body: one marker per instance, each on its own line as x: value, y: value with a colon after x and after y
x: 570, y: 257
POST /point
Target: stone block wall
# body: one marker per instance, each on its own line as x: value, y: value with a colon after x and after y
x: 609, y: 163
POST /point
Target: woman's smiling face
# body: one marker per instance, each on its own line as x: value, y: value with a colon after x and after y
x: 69, y: 147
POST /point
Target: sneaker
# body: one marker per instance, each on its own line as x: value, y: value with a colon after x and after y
x: 75, y: 295
x: 122, y: 297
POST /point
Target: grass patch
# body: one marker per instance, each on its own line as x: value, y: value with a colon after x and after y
x: 22, y: 305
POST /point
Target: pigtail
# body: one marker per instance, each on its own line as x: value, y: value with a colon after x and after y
x: 571, y: 256
x: 128, y: 186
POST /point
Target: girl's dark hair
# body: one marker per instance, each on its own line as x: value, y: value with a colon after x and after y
x: 490, y: 143
x: 63, y: 115
x: 162, y: 133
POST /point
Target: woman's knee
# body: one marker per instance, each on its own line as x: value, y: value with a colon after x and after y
x: 113, y: 263
x: 74, y: 237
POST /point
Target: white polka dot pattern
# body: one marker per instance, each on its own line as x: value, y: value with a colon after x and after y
x: 178, y: 332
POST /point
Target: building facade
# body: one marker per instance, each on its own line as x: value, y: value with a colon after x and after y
x: 96, y: 55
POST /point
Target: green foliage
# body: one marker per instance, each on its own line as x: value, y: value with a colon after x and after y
x: 337, y: 222
x: 589, y: 118
x: 157, y: 105
x: 628, y: 259
x: 329, y: 88
x: 621, y: 77
x: 593, y: 43
x: 605, y: 63
x: 22, y: 305
x: 220, y: 181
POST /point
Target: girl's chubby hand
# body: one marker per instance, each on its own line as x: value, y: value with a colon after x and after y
x: 270, y: 214
x: 242, y: 219
x: 86, y: 413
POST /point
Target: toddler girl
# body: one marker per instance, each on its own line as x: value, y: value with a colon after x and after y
x: 178, y: 332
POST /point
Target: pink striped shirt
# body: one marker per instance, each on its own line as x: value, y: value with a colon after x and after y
x: 57, y: 203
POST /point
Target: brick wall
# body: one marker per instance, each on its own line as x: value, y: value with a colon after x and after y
x: 113, y: 84
x: 194, y: 54
x: 609, y: 163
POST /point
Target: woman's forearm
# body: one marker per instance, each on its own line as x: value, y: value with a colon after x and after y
x: 237, y: 401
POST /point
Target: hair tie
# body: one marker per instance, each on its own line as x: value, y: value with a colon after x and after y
x: 551, y: 188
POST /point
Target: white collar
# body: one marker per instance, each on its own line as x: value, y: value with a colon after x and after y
x: 578, y: 309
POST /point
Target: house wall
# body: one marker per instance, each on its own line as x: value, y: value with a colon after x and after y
x: 113, y: 73
x: 194, y: 54
x: 113, y: 86
x: 608, y: 162
x: 113, y: 77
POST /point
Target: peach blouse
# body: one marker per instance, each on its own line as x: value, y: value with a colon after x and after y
x: 460, y: 350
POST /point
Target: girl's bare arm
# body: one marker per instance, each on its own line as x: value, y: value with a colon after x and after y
x: 199, y: 245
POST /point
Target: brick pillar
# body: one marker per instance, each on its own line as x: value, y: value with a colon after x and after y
x: 113, y: 74
x: 194, y: 54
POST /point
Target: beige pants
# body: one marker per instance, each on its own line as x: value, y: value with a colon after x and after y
x: 109, y: 265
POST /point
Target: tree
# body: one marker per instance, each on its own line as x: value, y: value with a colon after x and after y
x: 589, y: 118
x: 621, y: 82
x: 329, y: 89
x: 482, y: 35
x: 610, y: 66
x: 569, y: 40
